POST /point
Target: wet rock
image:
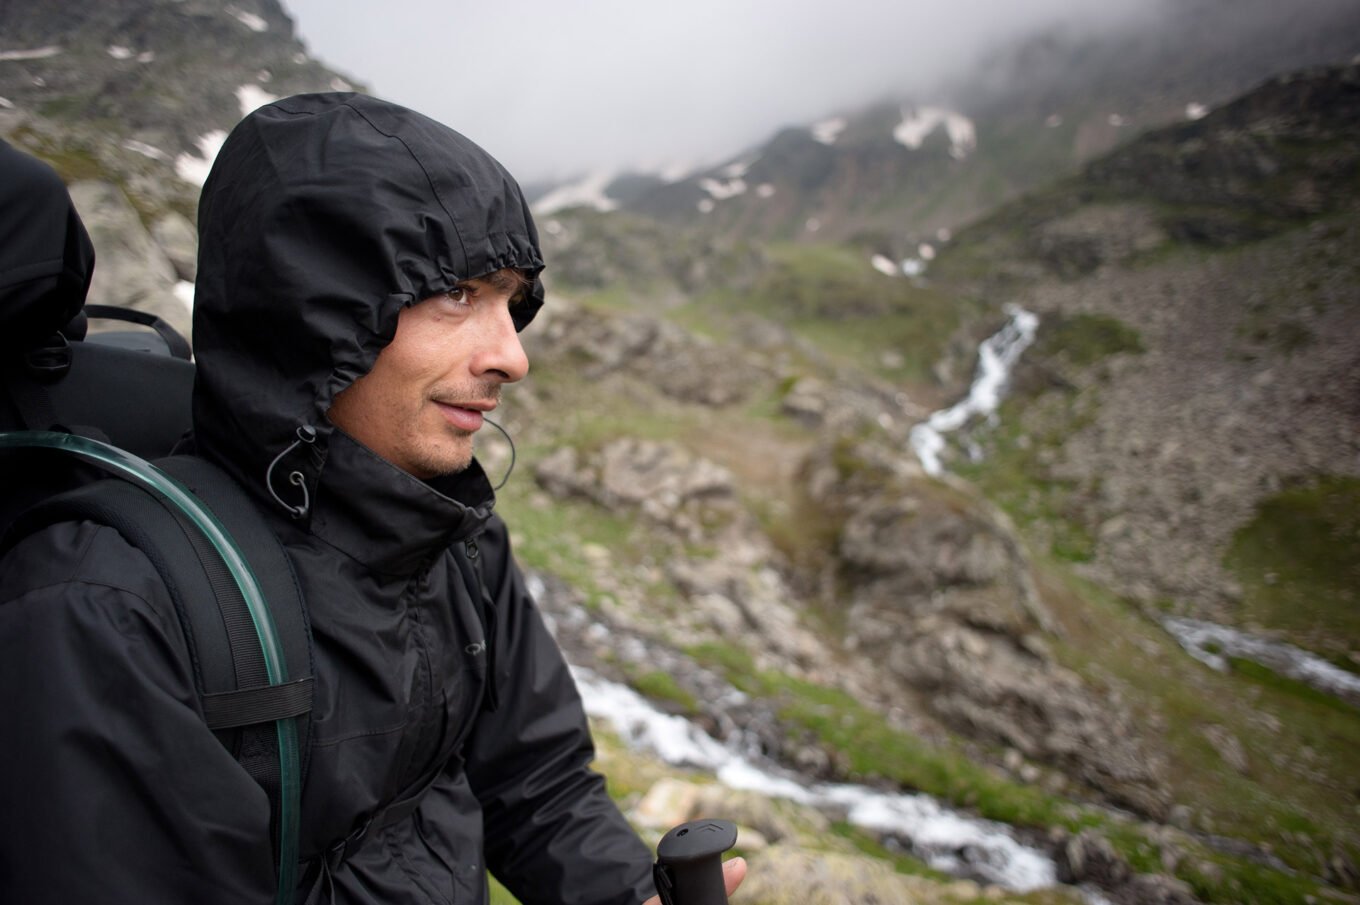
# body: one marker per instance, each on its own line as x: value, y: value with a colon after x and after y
x: 1090, y: 858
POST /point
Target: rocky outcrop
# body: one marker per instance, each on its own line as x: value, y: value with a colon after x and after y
x: 641, y: 347
x: 131, y: 269
x: 939, y: 596
x: 736, y: 591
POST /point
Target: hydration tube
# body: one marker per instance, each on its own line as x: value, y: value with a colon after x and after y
x: 148, y: 476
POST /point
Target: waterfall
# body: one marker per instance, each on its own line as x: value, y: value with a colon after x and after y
x: 997, y: 356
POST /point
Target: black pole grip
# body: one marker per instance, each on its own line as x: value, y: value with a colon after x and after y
x: 689, y: 862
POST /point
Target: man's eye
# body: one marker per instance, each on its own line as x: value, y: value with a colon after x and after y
x: 458, y: 295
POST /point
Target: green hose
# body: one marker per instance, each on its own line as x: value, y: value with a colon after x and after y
x: 142, y: 472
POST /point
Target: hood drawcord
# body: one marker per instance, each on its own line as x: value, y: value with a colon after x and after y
x: 511, y: 467
x: 305, y: 434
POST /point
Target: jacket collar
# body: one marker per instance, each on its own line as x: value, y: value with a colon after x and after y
x: 391, y: 521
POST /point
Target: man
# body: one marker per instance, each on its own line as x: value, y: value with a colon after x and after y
x: 363, y: 275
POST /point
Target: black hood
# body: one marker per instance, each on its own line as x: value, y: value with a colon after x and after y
x: 323, y: 216
x: 46, y: 259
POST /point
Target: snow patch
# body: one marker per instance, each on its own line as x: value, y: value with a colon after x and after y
x: 913, y: 267
x: 812, y: 224
x: 765, y: 190
x: 146, y: 56
x: 249, y: 20
x: 922, y: 121
x: 737, y: 169
x: 828, y: 130
x: 706, y: 205
x: 1054, y: 120
x: 118, y: 52
x: 184, y: 291
x: 299, y: 58
x: 38, y: 53
x: 721, y: 191
x: 1195, y: 110
x: 943, y: 234
x: 339, y: 84
x: 6, y: 103
x: 926, y: 251
x: 195, y: 167
x: 145, y: 149
x: 674, y: 172
x: 588, y: 192
x: 252, y: 97
x: 1116, y: 120
x: 883, y: 265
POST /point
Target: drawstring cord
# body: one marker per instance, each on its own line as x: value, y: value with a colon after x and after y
x: 305, y: 434
x: 506, y: 435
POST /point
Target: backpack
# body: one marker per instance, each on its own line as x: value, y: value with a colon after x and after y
x: 79, y: 419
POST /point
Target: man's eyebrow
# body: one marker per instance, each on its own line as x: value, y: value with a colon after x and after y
x: 501, y: 281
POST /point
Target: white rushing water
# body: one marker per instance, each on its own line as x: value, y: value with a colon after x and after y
x: 944, y: 839
x: 996, y: 358
x: 1212, y: 644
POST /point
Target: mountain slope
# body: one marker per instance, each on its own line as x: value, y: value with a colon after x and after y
x: 892, y: 175
x: 129, y: 101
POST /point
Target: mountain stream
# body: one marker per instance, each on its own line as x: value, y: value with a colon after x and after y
x: 997, y: 355
x: 944, y: 839
x: 1205, y: 641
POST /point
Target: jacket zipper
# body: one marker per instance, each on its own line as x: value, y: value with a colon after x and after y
x: 486, y: 612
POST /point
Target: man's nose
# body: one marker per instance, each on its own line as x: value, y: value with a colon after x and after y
x: 501, y: 354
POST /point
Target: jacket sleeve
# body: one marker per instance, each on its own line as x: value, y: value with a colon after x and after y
x: 553, y: 835
x: 114, y: 789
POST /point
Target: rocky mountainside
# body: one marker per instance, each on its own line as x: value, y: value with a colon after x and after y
x: 1221, y: 246
x: 716, y: 494
x: 1190, y: 395
x: 129, y: 100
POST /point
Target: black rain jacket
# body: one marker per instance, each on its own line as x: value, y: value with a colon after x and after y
x: 324, y: 215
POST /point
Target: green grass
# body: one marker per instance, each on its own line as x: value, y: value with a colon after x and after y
x: 1082, y: 339
x: 831, y: 297
x: 1298, y: 560
x: 499, y: 894
x: 1015, y: 475
x: 1297, y: 796
x: 661, y: 686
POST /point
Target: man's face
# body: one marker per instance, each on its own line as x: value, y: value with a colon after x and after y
x: 424, y: 399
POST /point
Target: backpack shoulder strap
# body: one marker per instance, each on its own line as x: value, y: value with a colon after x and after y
x: 237, y: 699
x: 274, y: 572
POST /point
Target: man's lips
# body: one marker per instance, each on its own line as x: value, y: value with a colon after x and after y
x: 464, y: 416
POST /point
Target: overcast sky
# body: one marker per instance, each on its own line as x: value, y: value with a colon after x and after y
x: 556, y: 88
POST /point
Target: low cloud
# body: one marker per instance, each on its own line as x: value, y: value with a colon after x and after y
x: 554, y: 89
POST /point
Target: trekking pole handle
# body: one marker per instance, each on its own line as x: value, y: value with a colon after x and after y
x: 688, y: 868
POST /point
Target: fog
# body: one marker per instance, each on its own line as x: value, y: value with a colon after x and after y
x: 557, y: 89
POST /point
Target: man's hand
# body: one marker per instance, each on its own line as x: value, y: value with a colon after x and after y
x: 734, y: 871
